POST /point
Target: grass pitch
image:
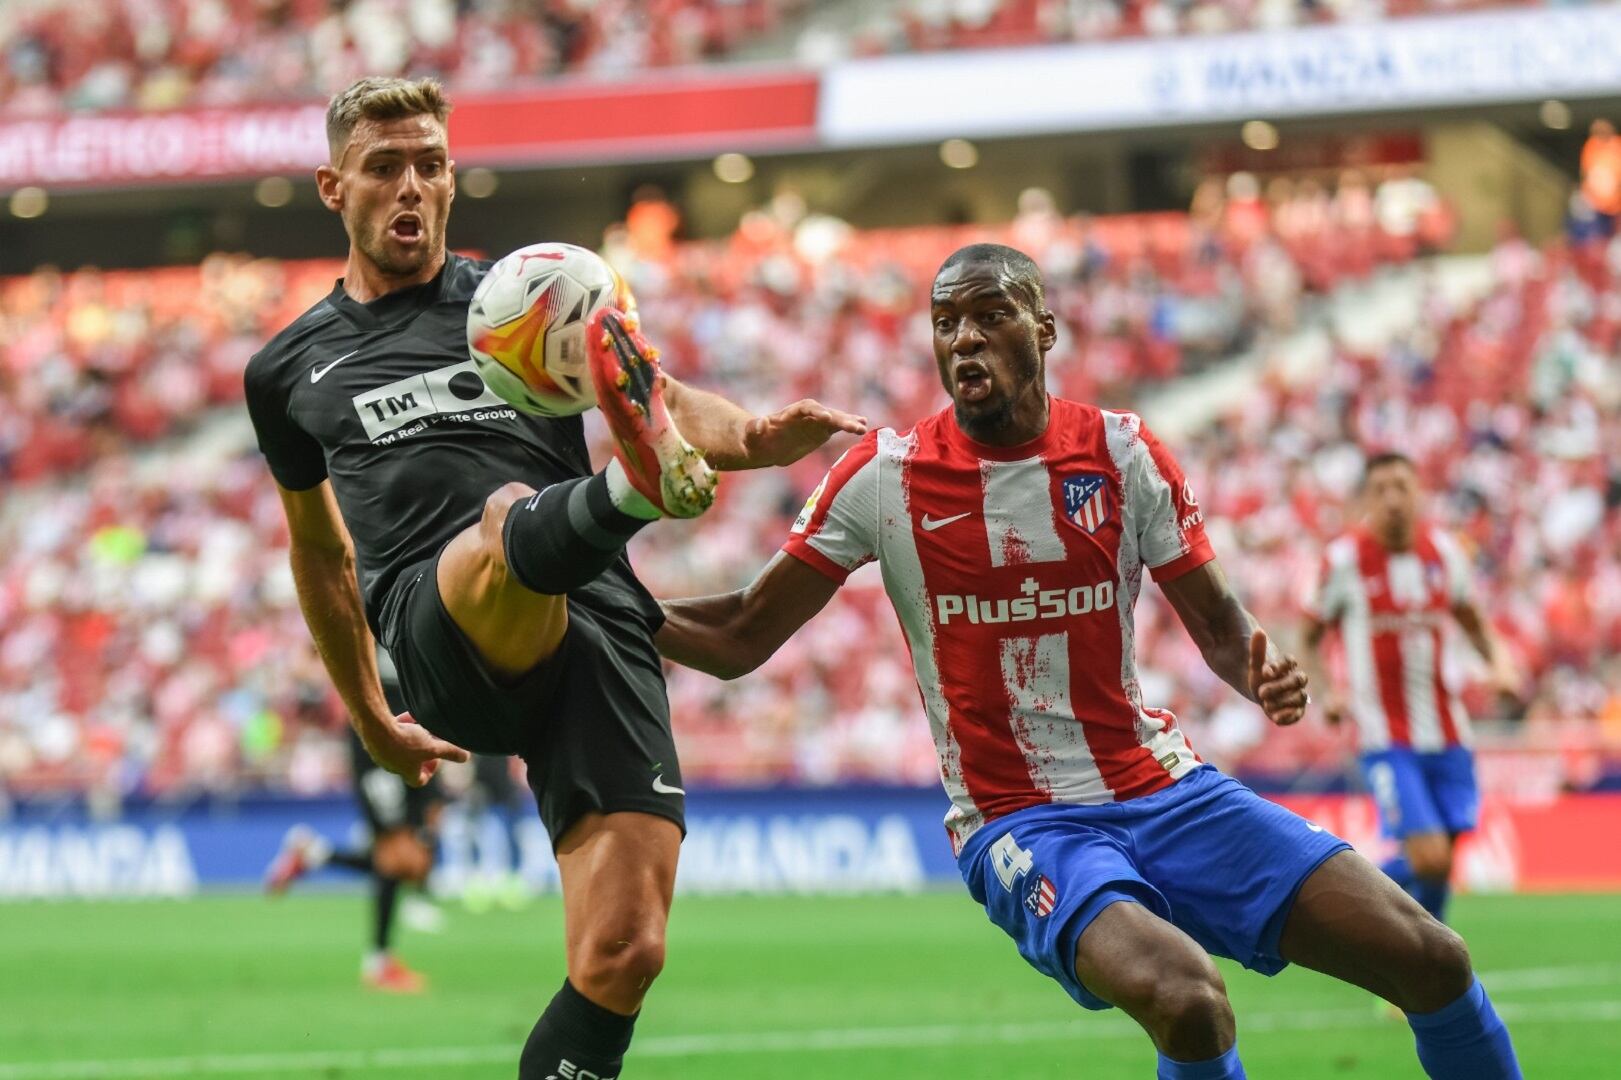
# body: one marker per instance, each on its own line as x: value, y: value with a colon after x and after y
x: 855, y: 988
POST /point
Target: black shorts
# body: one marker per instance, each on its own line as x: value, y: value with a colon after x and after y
x: 591, y: 722
x: 386, y: 801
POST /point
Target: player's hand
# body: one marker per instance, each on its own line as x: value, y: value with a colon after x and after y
x: 785, y: 436
x: 1277, y: 682
x: 1505, y: 680
x: 410, y: 751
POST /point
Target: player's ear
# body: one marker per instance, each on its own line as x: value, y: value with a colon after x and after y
x: 330, y: 185
x: 1046, y: 330
x: 450, y: 167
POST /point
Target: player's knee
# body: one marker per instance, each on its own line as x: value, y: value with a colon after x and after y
x: 616, y: 971
x: 492, y: 524
x: 1442, y: 970
x: 400, y: 855
x: 1432, y: 861
x: 1190, y: 1017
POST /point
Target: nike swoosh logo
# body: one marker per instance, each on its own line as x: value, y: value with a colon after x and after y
x: 316, y: 375
x: 662, y: 788
x: 1314, y: 828
x: 930, y: 524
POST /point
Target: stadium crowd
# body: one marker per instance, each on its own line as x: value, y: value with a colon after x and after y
x: 160, y: 54
x: 150, y: 639
x: 92, y: 361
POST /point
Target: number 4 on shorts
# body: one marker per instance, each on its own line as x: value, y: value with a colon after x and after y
x: 1011, y: 861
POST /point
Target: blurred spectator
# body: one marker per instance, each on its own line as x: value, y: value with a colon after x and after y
x: 1601, y: 172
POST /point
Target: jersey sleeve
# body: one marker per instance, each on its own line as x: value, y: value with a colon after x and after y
x: 1169, y: 524
x: 294, y: 457
x: 1326, y: 595
x: 837, y: 531
x: 1459, y: 574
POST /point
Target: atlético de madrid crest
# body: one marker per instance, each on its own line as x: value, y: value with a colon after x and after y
x: 1087, y: 501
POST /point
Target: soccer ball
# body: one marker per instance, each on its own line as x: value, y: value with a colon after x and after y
x: 526, y: 326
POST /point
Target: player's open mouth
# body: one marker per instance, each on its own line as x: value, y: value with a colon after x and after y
x: 407, y: 228
x: 973, y: 381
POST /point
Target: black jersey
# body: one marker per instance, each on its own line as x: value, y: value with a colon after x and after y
x: 383, y: 399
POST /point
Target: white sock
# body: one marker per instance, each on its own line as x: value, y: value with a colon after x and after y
x: 625, y: 497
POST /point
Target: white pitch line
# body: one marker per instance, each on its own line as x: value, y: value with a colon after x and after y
x: 1550, y: 978
x: 932, y: 1035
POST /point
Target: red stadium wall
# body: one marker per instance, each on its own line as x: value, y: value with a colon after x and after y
x: 1563, y: 844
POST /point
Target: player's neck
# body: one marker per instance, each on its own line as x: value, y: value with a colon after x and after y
x: 1402, y: 541
x: 365, y: 281
x: 1026, y: 423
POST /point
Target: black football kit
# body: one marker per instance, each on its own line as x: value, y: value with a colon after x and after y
x: 382, y: 399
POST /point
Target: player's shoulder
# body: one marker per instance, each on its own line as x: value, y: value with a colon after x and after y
x: 1344, y: 549
x: 462, y: 276
x: 277, y: 353
x: 1447, y: 544
x: 1121, y: 430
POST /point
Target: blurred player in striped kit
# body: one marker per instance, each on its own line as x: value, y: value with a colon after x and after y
x: 1390, y: 586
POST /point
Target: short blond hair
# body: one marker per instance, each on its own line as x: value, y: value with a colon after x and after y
x: 378, y: 97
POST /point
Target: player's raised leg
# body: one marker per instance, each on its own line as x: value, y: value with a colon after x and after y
x: 504, y: 580
x: 618, y: 876
x: 1135, y: 960
x: 1354, y: 923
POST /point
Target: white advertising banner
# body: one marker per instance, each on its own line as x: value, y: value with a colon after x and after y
x: 1495, y: 57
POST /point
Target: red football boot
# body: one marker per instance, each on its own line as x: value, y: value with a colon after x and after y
x: 302, y: 850
x: 383, y: 972
x: 660, y: 464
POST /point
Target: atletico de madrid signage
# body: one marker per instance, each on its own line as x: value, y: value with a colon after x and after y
x: 551, y: 124
x: 124, y: 150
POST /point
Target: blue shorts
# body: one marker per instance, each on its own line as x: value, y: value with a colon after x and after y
x: 1207, y: 854
x: 1421, y: 793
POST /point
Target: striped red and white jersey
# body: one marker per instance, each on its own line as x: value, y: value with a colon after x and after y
x: 1391, y: 608
x: 1014, y: 572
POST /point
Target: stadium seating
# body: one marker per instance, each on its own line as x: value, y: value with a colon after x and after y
x: 149, y: 638
x: 167, y: 53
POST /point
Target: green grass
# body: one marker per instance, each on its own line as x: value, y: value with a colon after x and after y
x: 855, y: 988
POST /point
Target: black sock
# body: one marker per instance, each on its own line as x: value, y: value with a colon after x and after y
x: 386, y: 893
x: 560, y: 538
x: 353, y: 860
x: 575, y: 1036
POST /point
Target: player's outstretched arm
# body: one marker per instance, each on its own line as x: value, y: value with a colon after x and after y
x: 730, y: 635
x: 732, y: 439
x: 1234, y: 645
x: 1505, y: 674
x: 323, y: 561
x: 1311, y: 661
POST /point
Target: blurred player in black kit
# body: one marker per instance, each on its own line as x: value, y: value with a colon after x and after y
x: 480, y: 548
x: 401, y: 822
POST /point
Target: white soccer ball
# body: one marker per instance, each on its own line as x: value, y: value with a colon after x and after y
x: 526, y: 326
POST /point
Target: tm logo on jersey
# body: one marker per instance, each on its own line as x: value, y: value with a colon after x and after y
x: 1087, y: 503
x: 1036, y: 603
x: 453, y: 389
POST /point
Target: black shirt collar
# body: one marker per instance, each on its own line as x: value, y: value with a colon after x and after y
x: 392, y: 308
